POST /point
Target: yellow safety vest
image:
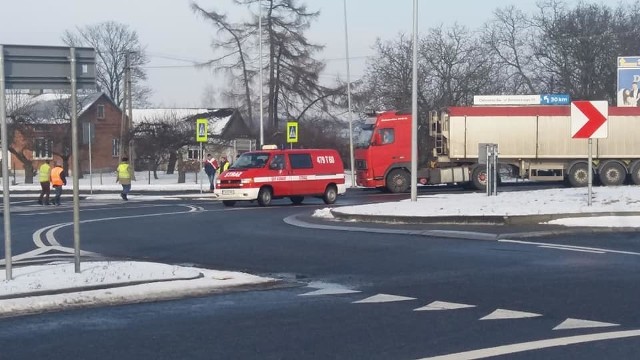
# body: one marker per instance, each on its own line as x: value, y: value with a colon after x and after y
x: 123, y: 171
x: 44, y: 172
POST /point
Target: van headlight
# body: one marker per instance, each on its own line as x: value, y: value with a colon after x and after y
x: 246, y: 181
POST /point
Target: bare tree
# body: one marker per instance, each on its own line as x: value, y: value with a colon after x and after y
x: 113, y: 43
x: 293, y: 73
x: 509, y: 36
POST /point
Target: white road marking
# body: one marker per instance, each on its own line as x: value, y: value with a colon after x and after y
x: 330, y: 291
x: 534, y: 345
x: 571, y: 246
x: 571, y: 249
x: 382, y: 298
x: 442, y: 305
x: 581, y: 324
x: 500, y: 314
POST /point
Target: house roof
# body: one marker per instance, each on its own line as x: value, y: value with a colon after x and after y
x: 55, y: 107
x: 218, y: 119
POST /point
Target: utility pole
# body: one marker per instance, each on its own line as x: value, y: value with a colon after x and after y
x: 130, y: 108
x: 123, y: 122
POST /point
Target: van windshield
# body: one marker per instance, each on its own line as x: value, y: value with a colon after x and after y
x: 250, y: 161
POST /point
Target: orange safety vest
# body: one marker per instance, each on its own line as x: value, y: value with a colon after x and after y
x: 56, y: 179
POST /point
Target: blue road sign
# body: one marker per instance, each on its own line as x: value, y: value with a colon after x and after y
x: 555, y: 99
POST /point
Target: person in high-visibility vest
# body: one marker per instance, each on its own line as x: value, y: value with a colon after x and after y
x: 123, y: 176
x: 44, y: 175
x: 58, y: 179
x: 224, y: 165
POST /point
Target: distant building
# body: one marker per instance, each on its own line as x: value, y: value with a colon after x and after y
x: 47, y: 135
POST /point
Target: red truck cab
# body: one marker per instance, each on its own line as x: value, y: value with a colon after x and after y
x: 269, y: 174
x: 383, y: 152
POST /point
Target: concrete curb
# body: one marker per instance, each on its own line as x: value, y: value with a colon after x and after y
x: 52, y: 303
x: 471, y: 220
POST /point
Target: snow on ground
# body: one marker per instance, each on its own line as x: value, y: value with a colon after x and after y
x: 553, y: 201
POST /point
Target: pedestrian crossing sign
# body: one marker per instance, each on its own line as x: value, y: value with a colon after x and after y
x: 292, y: 132
x: 201, y: 130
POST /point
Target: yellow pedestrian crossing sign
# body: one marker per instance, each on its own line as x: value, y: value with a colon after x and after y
x: 201, y: 130
x: 292, y: 132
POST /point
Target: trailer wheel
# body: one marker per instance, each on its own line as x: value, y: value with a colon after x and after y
x: 264, y: 196
x: 579, y: 175
x: 398, y: 181
x: 479, y: 178
x: 330, y: 195
x: 635, y: 172
x: 228, y: 202
x: 296, y: 200
x: 612, y: 174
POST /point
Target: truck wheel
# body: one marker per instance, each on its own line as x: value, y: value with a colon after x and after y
x: 264, y: 196
x: 297, y: 200
x: 229, y: 202
x: 479, y: 177
x: 330, y: 195
x: 398, y: 181
x: 635, y: 173
x: 579, y: 175
x: 612, y: 174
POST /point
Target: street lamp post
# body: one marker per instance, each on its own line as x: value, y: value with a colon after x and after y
x: 346, y: 46
x: 414, y: 107
x: 260, y: 65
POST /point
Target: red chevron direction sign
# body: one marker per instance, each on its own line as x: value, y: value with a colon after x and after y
x: 589, y: 119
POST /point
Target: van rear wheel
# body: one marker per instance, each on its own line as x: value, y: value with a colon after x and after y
x: 297, y: 200
x: 265, y: 196
x: 330, y: 195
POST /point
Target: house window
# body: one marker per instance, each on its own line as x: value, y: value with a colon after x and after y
x: 115, y: 147
x: 193, y: 154
x: 42, y: 148
x: 100, y: 112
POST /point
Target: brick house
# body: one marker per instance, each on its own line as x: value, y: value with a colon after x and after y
x: 47, y: 136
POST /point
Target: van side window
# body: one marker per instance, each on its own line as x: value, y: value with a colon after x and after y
x: 387, y: 136
x: 300, y: 161
x: 277, y: 163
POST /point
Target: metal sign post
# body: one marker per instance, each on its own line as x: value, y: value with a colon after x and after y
x: 202, y: 135
x: 5, y: 172
x: 589, y: 121
x: 44, y: 67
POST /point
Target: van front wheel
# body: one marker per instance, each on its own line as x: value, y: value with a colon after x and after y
x: 330, y: 195
x: 264, y: 196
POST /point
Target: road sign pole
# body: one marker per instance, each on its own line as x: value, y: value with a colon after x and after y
x: 590, y: 167
x: 5, y: 171
x: 75, y: 151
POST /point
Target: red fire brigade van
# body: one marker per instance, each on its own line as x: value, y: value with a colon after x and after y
x: 269, y: 174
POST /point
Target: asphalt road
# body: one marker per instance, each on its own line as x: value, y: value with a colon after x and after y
x: 369, y: 295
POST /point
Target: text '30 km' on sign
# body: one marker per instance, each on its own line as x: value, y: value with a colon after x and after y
x: 589, y: 119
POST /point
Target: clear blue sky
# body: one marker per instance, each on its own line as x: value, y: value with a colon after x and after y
x: 171, y: 32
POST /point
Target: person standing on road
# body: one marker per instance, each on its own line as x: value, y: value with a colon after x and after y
x: 210, y: 166
x: 44, y: 175
x: 123, y: 176
x: 58, y: 179
x: 224, y: 165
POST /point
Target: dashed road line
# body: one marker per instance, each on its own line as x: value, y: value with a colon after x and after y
x: 383, y: 298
